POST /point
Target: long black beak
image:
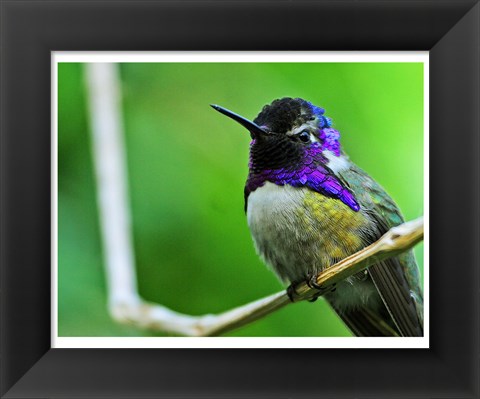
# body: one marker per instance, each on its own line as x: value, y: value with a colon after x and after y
x: 252, y: 127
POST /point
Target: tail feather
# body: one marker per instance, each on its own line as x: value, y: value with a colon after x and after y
x: 362, y: 322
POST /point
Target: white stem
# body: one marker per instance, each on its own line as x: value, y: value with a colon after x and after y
x: 110, y: 167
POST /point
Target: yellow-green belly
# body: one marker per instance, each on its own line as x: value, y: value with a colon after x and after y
x: 335, y: 223
x: 299, y: 232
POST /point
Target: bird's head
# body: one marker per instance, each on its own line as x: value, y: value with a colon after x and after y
x: 287, y: 133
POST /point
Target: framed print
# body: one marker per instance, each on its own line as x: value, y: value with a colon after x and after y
x: 425, y: 110
x: 193, y: 156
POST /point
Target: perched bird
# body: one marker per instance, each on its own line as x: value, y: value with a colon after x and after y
x: 308, y: 206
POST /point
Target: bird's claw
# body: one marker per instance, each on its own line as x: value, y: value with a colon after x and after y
x: 291, y: 292
x: 322, y: 289
x: 312, y: 283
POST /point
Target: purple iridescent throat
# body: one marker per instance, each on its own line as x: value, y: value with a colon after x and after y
x: 312, y: 171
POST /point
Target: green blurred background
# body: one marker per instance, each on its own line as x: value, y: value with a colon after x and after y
x: 187, y: 166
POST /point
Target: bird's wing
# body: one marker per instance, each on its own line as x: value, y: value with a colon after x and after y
x: 396, y: 279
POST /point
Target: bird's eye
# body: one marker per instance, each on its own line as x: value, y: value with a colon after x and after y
x: 304, y: 136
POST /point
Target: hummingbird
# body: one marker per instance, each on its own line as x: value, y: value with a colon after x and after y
x: 308, y: 206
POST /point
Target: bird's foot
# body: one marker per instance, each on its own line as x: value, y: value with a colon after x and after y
x: 311, y: 282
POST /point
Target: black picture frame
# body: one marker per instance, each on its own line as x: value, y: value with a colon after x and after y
x: 449, y: 30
